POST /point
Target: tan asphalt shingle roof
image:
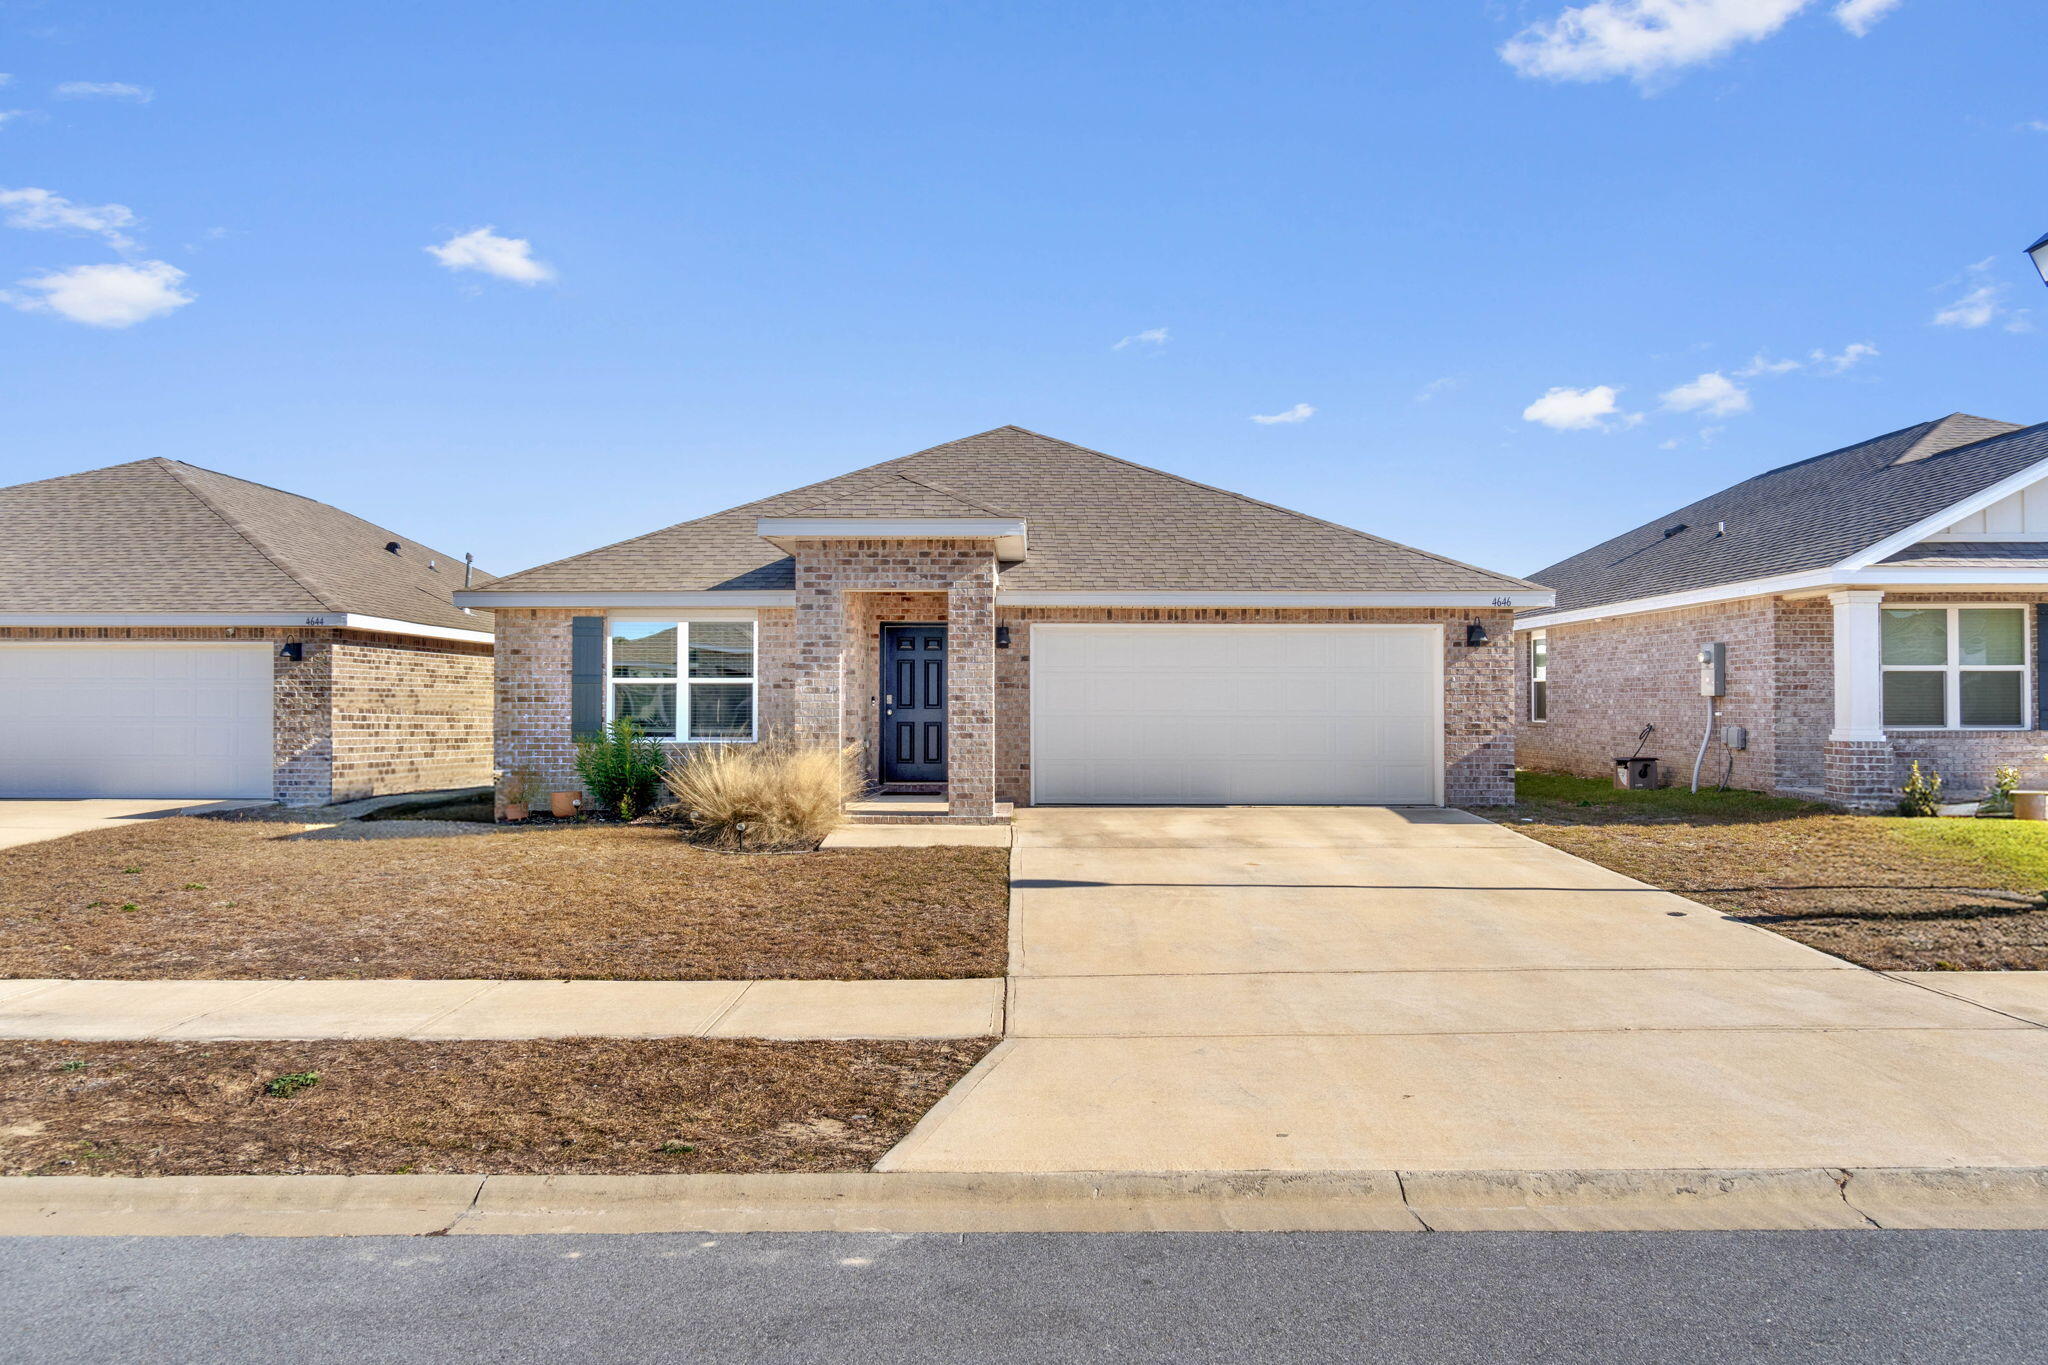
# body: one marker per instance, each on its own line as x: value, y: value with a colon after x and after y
x: 158, y: 535
x: 1096, y: 524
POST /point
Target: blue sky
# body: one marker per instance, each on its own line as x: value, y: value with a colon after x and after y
x: 1519, y: 275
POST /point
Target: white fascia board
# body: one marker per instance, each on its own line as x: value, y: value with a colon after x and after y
x: 330, y: 620
x: 1947, y: 516
x: 1808, y: 582
x: 1972, y: 578
x: 1006, y: 532
x: 1520, y: 597
x: 486, y: 599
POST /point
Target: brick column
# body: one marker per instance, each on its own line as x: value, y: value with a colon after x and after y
x: 971, y: 692
x: 819, y: 663
x: 1857, y: 762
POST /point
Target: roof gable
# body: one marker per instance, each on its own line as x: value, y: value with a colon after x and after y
x: 158, y: 535
x: 1811, y: 514
x: 1097, y: 524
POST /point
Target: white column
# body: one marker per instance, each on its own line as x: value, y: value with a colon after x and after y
x: 1859, y: 677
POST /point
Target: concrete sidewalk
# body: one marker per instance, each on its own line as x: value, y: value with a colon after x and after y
x: 1358, y: 989
x: 220, y: 1010
x: 25, y: 821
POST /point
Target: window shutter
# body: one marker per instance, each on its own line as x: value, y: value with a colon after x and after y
x: 586, y: 676
x: 2041, y: 665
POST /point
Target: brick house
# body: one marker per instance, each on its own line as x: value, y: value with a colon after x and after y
x: 167, y: 631
x: 1879, y: 604
x: 1009, y: 618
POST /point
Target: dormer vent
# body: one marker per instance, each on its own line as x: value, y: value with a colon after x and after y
x: 1671, y: 531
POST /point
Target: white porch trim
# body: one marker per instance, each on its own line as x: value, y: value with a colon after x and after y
x: 1859, y: 675
x: 331, y: 620
x: 1519, y: 597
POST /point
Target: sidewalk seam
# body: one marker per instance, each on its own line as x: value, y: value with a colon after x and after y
x: 193, y: 1019
x: 483, y: 990
x: 746, y: 989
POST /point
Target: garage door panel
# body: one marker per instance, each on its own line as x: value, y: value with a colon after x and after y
x: 1222, y: 715
x: 80, y: 720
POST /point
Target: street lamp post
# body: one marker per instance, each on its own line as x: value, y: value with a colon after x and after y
x: 2039, y: 252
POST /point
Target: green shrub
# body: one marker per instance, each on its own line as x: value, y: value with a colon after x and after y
x: 291, y: 1083
x: 2003, y: 783
x: 775, y: 794
x: 1922, y: 793
x: 621, y: 769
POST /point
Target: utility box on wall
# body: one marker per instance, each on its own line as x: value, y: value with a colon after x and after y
x: 1714, y: 670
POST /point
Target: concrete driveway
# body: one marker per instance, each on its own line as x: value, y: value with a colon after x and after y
x: 1360, y: 988
x: 31, y: 821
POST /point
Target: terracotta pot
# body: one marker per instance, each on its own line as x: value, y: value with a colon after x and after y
x: 562, y: 805
x: 517, y: 810
x: 2030, y: 805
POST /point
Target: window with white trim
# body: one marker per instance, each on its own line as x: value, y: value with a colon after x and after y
x: 684, y: 680
x: 1954, y: 668
x: 1539, y: 675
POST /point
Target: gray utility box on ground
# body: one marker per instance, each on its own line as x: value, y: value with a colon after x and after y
x: 1636, y: 774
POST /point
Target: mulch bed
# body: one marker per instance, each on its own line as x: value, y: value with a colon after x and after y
x: 1860, y: 887
x: 605, y: 1106
x: 201, y: 898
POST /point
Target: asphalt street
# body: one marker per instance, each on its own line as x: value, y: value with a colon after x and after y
x: 1662, y: 1298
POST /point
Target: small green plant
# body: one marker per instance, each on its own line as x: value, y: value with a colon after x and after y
x: 130, y: 905
x: 621, y: 769
x: 1999, y: 801
x: 73, y: 1065
x: 195, y: 886
x: 291, y: 1083
x: 1921, y: 796
x: 677, y: 1148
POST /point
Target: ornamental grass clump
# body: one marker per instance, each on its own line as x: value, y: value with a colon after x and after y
x: 621, y: 769
x: 777, y: 794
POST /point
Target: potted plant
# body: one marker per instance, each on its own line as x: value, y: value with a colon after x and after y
x: 522, y: 789
x: 564, y: 805
x: 2030, y: 805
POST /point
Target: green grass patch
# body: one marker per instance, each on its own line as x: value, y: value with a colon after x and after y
x: 2016, y: 849
x: 1561, y: 789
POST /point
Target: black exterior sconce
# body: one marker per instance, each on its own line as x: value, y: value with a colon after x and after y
x: 1475, y: 634
x: 292, y: 650
x: 1002, y: 637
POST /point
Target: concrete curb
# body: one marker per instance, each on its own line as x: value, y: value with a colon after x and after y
x: 908, y: 1202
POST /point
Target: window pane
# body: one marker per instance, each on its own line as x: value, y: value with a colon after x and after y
x: 1539, y: 655
x: 650, y: 706
x: 721, y: 711
x: 1539, y: 701
x: 1915, y: 698
x: 1916, y: 637
x: 1990, y: 635
x: 1992, y: 698
x: 643, y: 649
x: 721, y: 649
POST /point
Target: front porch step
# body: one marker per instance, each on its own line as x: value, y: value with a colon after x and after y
x: 905, y: 808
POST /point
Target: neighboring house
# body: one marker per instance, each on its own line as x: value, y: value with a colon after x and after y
x: 1010, y: 618
x: 168, y: 631
x: 1879, y: 604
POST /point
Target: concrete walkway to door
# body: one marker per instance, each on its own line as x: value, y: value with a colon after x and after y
x: 1353, y: 988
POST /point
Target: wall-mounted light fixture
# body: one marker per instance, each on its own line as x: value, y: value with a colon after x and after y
x: 1002, y: 637
x: 292, y: 650
x: 1475, y: 634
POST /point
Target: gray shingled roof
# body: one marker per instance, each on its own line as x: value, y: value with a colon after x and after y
x: 1096, y: 524
x: 1965, y: 554
x: 1807, y: 515
x: 159, y: 535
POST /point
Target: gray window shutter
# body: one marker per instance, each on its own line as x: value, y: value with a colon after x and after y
x: 2041, y: 665
x: 586, y: 676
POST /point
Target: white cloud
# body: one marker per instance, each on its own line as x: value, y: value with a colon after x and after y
x: 1437, y: 387
x: 1300, y: 412
x: 1978, y: 308
x: 1861, y: 16
x: 7, y: 115
x: 106, y: 295
x: 2038, y: 125
x: 39, y: 210
x: 104, y: 90
x: 508, y: 258
x: 1713, y: 393
x: 1761, y: 364
x: 1563, y: 409
x: 1642, y: 39
x: 1848, y: 358
x: 1151, y: 336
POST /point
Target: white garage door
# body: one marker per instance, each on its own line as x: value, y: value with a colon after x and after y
x: 135, y: 720
x: 1228, y: 715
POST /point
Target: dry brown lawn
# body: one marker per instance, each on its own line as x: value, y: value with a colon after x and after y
x: 1887, y: 893
x: 205, y: 898
x: 573, y: 1105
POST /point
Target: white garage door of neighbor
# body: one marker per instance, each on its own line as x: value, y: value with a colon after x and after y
x: 1237, y: 715
x: 135, y: 720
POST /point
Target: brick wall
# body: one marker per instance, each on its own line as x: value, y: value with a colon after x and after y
x: 1608, y: 679
x: 1479, y: 730
x: 361, y: 714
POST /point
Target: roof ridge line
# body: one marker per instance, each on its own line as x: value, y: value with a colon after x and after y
x: 171, y: 467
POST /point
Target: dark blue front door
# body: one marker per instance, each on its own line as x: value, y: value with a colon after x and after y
x: 913, y: 703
